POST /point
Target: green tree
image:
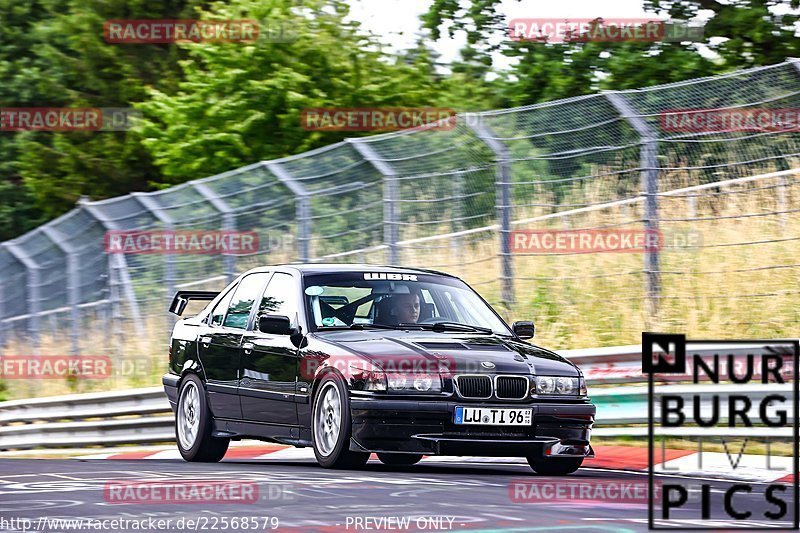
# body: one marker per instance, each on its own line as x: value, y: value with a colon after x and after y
x: 745, y: 33
x: 740, y: 33
x: 210, y: 107
x: 240, y: 103
x: 53, y: 54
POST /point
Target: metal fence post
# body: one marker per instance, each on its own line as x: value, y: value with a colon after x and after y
x: 302, y: 210
x: 108, y: 312
x: 457, y: 243
x: 228, y: 224
x: 117, y: 262
x: 390, y: 215
x: 649, y: 164
x: 73, y: 285
x: 502, y: 203
x: 782, y: 189
x: 783, y: 217
x: 170, y: 277
x: 33, y: 284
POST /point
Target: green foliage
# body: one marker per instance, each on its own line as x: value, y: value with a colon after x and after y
x: 740, y: 33
x: 209, y: 107
x: 744, y: 33
x: 241, y: 103
x: 53, y: 54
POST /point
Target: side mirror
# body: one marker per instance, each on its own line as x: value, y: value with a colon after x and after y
x: 524, y: 329
x: 275, y: 325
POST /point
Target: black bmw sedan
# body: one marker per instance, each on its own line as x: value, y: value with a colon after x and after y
x: 360, y: 359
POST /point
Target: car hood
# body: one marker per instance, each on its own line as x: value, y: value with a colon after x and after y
x: 460, y: 353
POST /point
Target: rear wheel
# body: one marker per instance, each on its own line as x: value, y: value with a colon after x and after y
x: 193, y: 425
x: 555, y: 466
x: 400, y: 459
x: 331, y: 426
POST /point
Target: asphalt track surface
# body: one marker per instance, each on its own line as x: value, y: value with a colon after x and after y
x: 299, y: 496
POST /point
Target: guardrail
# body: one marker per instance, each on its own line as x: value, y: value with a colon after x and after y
x: 135, y: 416
x: 623, y: 364
x: 141, y: 416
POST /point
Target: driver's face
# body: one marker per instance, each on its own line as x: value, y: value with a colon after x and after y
x: 406, y: 308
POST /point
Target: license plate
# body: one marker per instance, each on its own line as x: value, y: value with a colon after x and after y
x: 489, y: 416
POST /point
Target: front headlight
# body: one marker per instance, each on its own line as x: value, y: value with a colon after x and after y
x: 370, y: 378
x: 425, y: 383
x: 367, y: 377
x: 560, y: 386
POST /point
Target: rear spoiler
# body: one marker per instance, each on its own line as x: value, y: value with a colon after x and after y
x: 182, y: 298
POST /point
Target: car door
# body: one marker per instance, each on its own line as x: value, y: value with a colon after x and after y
x: 220, y: 341
x: 269, y: 363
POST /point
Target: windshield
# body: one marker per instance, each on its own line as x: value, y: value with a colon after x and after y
x: 394, y: 300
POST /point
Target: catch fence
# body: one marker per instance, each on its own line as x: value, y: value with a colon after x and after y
x: 451, y: 198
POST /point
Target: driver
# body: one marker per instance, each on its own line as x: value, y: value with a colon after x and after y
x: 405, y: 307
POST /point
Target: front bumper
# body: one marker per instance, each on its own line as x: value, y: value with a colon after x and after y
x: 386, y: 425
x: 170, y: 382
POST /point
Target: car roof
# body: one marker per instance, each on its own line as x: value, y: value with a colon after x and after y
x: 333, y: 268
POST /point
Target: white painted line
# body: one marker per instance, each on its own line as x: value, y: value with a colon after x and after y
x: 166, y: 454
x: 96, y: 456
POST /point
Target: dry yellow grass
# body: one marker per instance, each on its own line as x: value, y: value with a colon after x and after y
x: 135, y: 362
x: 718, y: 290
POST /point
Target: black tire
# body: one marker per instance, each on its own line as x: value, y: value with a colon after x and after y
x: 334, y: 451
x: 203, y: 448
x: 400, y: 459
x: 555, y: 466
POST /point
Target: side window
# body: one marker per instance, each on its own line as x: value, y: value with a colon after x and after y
x: 218, y: 314
x: 427, y: 299
x: 456, y: 308
x: 242, y: 301
x: 280, y: 298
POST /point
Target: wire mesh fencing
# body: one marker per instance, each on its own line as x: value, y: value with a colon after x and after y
x: 470, y: 197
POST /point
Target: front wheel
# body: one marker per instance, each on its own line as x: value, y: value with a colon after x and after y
x: 193, y: 425
x: 555, y: 466
x: 331, y: 426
